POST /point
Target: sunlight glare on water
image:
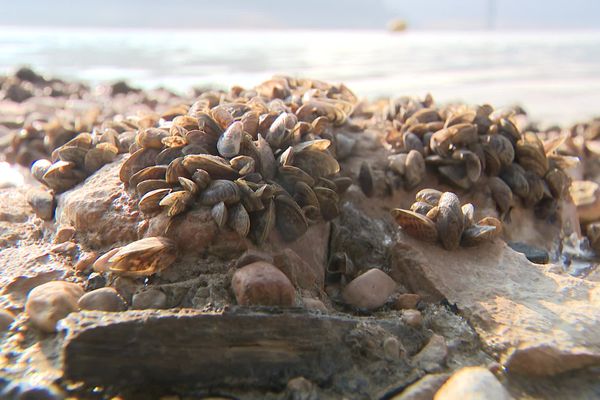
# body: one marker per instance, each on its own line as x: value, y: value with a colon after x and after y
x: 554, y: 75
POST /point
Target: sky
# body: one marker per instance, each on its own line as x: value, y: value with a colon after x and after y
x: 303, y: 14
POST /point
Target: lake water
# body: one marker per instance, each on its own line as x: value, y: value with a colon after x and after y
x: 554, y: 75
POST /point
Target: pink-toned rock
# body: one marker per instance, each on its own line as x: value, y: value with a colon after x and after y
x: 407, y: 301
x: 369, y: 290
x: 536, y: 321
x: 101, y: 211
x: 64, y: 234
x: 261, y: 283
x: 302, y: 274
x: 51, y: 302
x: 103, y: 299
x: 472, y: 383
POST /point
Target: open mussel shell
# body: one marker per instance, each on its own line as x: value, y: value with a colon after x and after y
x: 416, y: 225
x: 151, y: 184
x: 144, y: 257
x: 176, y: 202
x: 150, y: 201
x: 153, y: 172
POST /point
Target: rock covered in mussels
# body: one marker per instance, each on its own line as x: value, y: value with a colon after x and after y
x: 260, y: 159
x: 464, y: 144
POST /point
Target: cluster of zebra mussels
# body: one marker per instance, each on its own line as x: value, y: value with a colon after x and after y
x: 464, y: 144
x: 439, y: 216
x: 259, y: 158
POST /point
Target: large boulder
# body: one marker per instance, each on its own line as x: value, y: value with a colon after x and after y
x: 536, y: 321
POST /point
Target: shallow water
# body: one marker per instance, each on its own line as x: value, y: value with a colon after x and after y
x: 554, y: 75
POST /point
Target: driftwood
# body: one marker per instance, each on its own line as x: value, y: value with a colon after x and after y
x: 241, y: 347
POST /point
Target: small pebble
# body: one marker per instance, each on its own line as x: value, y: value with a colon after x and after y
x: 407, y: 301
x: 261, y: 283
x: 149, y: 299
x: 51, y: 302
x: 64, y: 234
x: 86, y: 260
x: 42, y: 202
x: 67, y: 249
x: 533, y: 254
x: 301, y: 388
x: 369, y: 290
x: 412, y: 318
x: 126, y: 287
x: 95, y: 281
x: 6, y: 319
x: 104, y: 299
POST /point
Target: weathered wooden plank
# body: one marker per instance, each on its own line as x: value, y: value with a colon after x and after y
x: 241, y: 347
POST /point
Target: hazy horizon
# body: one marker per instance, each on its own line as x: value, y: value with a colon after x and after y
x: 312, y: 14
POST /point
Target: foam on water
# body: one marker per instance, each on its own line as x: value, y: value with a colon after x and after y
x: 554, y: 75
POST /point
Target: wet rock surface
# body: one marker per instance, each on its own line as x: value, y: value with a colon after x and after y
x: 536, y: 321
